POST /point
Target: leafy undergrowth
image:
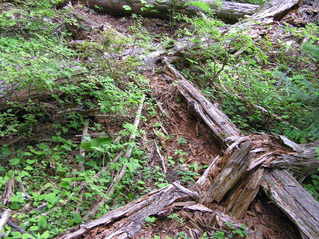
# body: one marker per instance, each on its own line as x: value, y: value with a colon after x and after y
x: 55, y: 79
x: 57, y: 89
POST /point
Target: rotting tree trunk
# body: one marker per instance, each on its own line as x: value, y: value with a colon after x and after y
x: 230, y: 11
x: 275, y: 8
x: 215, y: 119
x: 129, y: 219
x: 276, y: 182
x: 281, y: 187
x: 294, y: 201
x: 234, y: 169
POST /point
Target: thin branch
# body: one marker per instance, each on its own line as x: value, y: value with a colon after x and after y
x: 4, y: 218
x: 122, y: 172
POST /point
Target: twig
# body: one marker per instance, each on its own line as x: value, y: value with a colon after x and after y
x: 16, y: 227
x: 4, y: 218
x: 8, y: 191
x: 161, y: 157
x: 84, y: 138
x: 82, y: 154
x: 122, y: 172
x: 173, y: 69
x: 192, y: 194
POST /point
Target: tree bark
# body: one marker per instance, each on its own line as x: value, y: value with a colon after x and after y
x: 129, y: 219
x: 275, y: 9
x: 294, y: 201
x: 230, y: 11
x: 234, y: 170
x: 220, y: 125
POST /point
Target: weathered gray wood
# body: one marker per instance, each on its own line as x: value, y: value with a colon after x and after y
x: 294, y: 201
x: 275, y: 8
x: 234, y: 170
x: 132, y: 214
x: 215, y: 119
x: 302, y: 161
x: 244, y: 193
x: 163, y: 8
x: 203, y: 182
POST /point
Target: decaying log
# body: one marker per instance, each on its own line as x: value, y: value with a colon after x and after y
x: 302, y: 161
x: 294, y: 201
x: 226, y: 10
x: 133, y: 214
x: 234, y: 170
x: 275, y: 8
x: 215, y: 119
x: 241, y: 198
x: 307, y: 152
x: 244, y: 193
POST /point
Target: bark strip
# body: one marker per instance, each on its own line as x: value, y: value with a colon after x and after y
x: 294, y: 201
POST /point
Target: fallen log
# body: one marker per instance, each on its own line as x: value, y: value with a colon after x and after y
x: 231, y: 11
x: 306, y: 222
x: 244, y: 193
x: 302, y: 162
x: 294, y: 201
x: 130, y: 218
x: 215, y: 119
x: 275, y: 9
x: 233, y: 171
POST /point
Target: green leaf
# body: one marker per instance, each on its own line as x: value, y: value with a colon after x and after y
x: 43, y: 223
x: 150, y: 219
x: 127, y: 8
x: 201, y: 5
x: 15, y: 161
x: 97, y: 144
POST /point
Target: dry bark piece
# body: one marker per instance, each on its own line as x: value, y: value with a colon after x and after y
x: 203, y: 182
x: 244, y: 194
x: 5, y: 216
x: 294, y: 201
x: 129, y: 219
x: 215, y: 119
x: 8, y: 191
x: 234, y: 170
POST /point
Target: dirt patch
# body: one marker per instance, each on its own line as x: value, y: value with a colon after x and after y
x: 269, y: 222
x: 188, y: 139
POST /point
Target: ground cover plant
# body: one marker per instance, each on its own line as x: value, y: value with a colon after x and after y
x: 82, y: 129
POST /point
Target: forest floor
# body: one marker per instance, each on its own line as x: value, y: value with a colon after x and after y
x: 55, y: 188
